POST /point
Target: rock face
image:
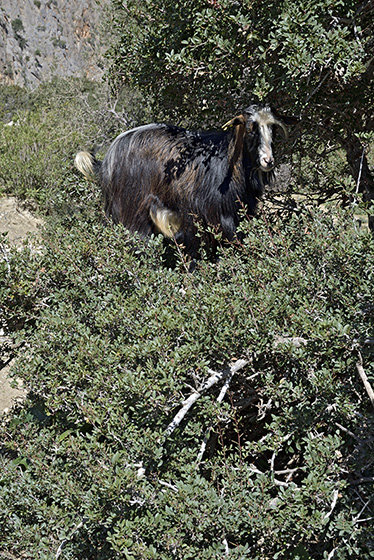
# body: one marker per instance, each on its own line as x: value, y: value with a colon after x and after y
x: 40, y: 39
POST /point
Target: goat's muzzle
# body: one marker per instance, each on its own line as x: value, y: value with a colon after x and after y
x: 267, y: 164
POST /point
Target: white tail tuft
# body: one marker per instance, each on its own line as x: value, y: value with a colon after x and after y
x: 84, y: 162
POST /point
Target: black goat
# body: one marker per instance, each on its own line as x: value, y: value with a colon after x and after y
x: 162, y: 178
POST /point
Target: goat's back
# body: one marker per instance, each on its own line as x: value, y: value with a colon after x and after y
x: 190, y: 173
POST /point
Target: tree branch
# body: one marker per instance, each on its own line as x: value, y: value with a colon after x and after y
x: 209, y: 429
x: 276, y: 481
x: 6, y: 258
x: 334, y: 500
x: 364, y: 379
x: 219, y: 400
x: 360, y: 171
x: 76, y: 528
x: 213, y: 379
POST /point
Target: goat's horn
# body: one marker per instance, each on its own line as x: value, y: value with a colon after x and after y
x: 236, y: 121
x: 283, y: 127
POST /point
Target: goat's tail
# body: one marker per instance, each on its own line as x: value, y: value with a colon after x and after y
x: 87, y: 164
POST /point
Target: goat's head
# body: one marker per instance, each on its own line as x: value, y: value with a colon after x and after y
x: 260, y: 124
x: 260, y: 121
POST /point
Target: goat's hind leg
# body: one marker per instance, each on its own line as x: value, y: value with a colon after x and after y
x: 167, y: 221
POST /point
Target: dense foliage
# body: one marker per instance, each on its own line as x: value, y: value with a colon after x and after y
x: 121, y: 335
x: 42, y: 130
x: 222, y: 53
x: 203, y: 61
x: 115, y: 337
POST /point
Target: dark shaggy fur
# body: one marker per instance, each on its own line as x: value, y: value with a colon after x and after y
x: 164, y: 178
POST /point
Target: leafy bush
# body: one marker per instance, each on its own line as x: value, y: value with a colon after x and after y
x: 311, y: 59
x: 122, y: 335
x: 47, y: 127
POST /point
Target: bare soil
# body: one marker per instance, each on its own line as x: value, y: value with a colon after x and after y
x: 18, y: 222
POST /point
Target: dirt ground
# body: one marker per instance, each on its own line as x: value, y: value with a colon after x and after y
x: 18, y: 223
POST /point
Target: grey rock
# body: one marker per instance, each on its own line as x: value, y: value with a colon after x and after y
x: 41, y: 39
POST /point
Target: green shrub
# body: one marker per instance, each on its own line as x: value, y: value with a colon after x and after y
x: 17, y: 26
x: 48, y: 127
x: 120, y: 339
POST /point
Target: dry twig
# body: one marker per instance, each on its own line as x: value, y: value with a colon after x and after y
x: 275, y: 480
x: 364, y: 379
x: 213, y: 379
x: 334, y: 500
x: 76, y: 528
x: 219, y: 400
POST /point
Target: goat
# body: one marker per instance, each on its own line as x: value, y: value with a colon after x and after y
x: 163, y: 178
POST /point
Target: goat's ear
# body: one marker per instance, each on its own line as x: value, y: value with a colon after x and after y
x: 236, y: 121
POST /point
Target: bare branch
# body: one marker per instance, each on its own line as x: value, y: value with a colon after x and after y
x: 332, y: 553
x: 220, y: 399
x: 276, y: 482
x: 213, y: 379
x: 334, y: 500
x: 287, y: 471
x: 356, y: 519
x: 6, y: 257
x: 320, y: 83
x: 208, y: 430
x: 360, y: 171
x: 347, y: 431
x: 169, y: 485
x: 263, y: 409
x: 76, y: 528
x: 365, y: 380
x: 362, y: 480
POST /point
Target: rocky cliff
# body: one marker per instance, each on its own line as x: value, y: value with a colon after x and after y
x: 40, y: 39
